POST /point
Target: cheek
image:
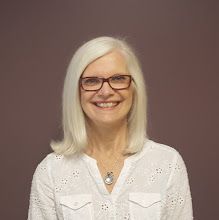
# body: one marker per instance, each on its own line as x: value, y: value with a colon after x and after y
x: 130, y: 100
x: 130, y: 95
x: 85, y: 100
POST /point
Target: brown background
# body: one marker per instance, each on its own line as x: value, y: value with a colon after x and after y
x: 177, y: 42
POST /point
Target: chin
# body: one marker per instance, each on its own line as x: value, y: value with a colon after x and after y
x: 110, y: 122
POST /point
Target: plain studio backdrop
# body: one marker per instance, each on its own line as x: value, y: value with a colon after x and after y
x: 177, y: 43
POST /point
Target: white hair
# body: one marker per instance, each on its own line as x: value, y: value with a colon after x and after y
x: 73, y: 119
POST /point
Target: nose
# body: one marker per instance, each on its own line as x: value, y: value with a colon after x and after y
x: 106, y: 90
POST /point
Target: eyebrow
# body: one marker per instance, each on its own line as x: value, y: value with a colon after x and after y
x: 116, y: 74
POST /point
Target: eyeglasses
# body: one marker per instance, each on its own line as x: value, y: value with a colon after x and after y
x: 117, y: 82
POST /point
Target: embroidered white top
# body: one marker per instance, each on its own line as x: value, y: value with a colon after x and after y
x: 153, y: 185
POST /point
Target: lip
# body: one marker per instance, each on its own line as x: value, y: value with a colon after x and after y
x: 106, y: 104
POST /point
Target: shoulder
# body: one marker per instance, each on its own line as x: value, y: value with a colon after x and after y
x: 45, y: 165
x: 163, y: 157
x: 56, y: 163
x: 50, y: 160
x: 159, y: 147
x: 161, y: 151
x: 54, y: 167
x: 58, y: 160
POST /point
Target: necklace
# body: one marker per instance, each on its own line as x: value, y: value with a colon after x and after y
x: 109, y: 177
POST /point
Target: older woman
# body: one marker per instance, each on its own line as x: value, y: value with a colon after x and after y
x: 105, y: 167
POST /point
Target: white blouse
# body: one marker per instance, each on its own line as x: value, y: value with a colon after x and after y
x: 153, y: 185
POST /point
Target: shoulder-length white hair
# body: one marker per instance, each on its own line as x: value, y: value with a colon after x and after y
x: 73, y: 119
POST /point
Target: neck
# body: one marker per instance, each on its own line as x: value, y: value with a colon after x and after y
x: 107, y: 140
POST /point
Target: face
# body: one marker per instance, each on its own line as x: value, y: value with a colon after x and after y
x: 107, y: 106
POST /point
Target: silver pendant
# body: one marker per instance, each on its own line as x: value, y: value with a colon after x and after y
x: 108, y: 179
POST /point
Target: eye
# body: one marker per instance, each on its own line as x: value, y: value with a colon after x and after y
x: 119, y: 79
x: 91, y: 81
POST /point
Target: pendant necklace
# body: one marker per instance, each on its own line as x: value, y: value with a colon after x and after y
x: 109, y: 177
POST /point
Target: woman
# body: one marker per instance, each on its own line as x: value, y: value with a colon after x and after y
x: 105, y: 167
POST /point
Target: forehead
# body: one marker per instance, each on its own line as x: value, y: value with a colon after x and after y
x: 107, y: 65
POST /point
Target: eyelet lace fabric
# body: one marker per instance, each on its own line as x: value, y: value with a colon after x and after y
x: 153, y: 185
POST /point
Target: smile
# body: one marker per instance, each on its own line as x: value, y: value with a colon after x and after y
x: 106, y: 104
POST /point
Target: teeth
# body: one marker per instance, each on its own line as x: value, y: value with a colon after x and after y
x: 106, y: 105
